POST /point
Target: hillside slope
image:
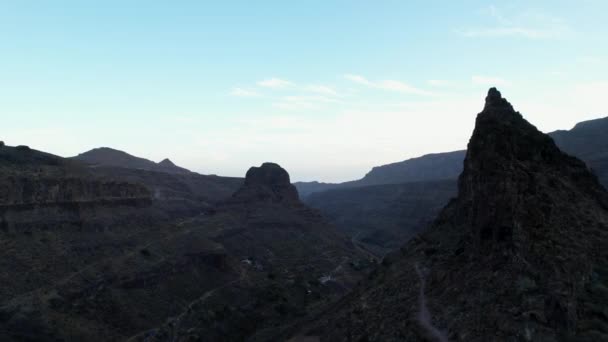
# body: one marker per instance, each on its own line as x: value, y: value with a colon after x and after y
x: 384, y: 216
x: 105, y: 156
x: 518, y: 255
x: 85, y: 257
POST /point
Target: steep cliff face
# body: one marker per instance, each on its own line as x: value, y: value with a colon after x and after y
x: 37, y: 189
x: 71, y: 239
x: 48, y: 191
x: 518, y: 255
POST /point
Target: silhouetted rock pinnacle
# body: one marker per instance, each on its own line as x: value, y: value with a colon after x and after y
x: 495, y: 101
x: 269, y: 182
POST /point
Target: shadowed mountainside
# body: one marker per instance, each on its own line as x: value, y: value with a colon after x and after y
x: 292, y: 264
x: 89, y: 258
x: 588, y: 141
x: 168, y: 183
x: 518, y: 255
x: 386, y: 216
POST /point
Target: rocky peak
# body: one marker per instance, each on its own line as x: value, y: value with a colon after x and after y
x: 506, y: 160
x: 167, y: 163
x: 269, y: 174
x: 520, y: 253
x: 495, y: 101
x: 269, y: 182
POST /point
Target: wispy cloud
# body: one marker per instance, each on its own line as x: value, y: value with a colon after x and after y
x: 321, y: 89
x: 489, y: 80
x: 275, y: 83
x: 439, y: 83
x: 300, y: 102
x: 241, y: 92
x: 390, y: 85
x: 358, y: 79
x: 527, y: 24
x: 526, y: 32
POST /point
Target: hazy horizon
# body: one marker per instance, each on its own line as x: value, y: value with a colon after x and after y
x: 327, y: 90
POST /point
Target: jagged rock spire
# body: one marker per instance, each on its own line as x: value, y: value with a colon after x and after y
x: 494, y: 101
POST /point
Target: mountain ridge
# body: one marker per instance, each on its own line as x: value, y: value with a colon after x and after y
x: 106, y: 156
x: 586, y: 140
x: 518, y: 255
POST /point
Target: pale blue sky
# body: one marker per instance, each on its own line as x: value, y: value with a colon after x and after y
x: 327, y: 89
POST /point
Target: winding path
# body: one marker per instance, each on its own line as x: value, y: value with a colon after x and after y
x: 424, y: 315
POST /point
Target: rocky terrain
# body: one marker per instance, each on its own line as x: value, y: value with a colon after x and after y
x: 408, y: 195
x: 117, y: 250
x: 174, y: 186
x: 384, y: 217
x: 519, y: 255
x: 292, y: 264
x: 95, y: 253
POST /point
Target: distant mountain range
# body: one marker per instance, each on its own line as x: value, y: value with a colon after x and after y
x: 430, y: 167
x: 588, y: 140
x: 105, y: 156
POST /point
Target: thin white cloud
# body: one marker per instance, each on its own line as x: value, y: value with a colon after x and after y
x: 321, y: 89
x: 439, y: 83
x: 390, y: 85
x: 525, y: 32
x: 489, y: 81
x: 275, y: 83
x: 241, y: 92
x: 527, y: 24
x: 300, y: 102
x: 358, y: 79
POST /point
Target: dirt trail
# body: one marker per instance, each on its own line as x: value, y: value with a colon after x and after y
x: 424, y: 315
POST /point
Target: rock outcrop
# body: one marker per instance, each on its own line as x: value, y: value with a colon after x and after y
x: 267, y: 183
x: 519, y: 255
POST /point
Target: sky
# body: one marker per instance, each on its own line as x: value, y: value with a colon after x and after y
x: 327, y: 89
